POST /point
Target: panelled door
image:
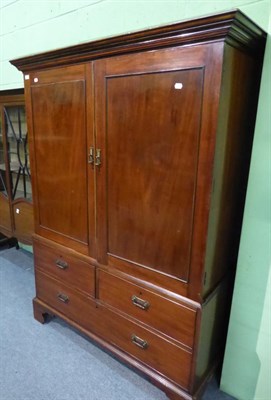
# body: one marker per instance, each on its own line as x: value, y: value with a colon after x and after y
x: 61, y: 119
x: 148, y: 126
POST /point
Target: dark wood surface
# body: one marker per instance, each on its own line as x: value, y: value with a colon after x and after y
x: 209, y: 120
x: 175, y: 319
x: 160, y: 354
x: 151, y: 128
x: 239, y: 96
x: 157, y: 220
x: 5, y: 216
x: 59, y: 125
x: 69, y: 269
x: 213, y: 332
x: 155, y: 180
x: 42, y: 311
x: 76, y: 306
x: 23, y: 221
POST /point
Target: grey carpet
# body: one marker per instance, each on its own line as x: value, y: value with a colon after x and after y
x: 53, y: 361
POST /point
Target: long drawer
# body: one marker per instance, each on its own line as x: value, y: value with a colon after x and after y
x: 77, y: 307
x: 174, y: 319
x: 65, y: 267
x: 163, y: 356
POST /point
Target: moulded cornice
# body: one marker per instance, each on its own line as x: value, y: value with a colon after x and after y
x: 233, y: 27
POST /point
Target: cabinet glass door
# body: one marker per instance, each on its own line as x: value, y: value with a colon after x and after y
x: 3, y: 183
x: 16, y: 210
x: 17, y: 152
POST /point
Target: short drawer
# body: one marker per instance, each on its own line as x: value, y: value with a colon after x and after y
x: 161, y: 355
x: 176, y: 320
x: 69, y: 269
x: 67, y: 301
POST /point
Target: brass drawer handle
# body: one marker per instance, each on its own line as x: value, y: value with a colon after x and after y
x: 61, y: 264
x: 63, y: 297
x: 91, y: 155
x: 98, y: 158
x: 143, y: 344
x: 143, y: 304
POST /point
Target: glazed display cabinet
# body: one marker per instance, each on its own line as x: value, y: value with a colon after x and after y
x: 140, y: 149
x: 16, y: 210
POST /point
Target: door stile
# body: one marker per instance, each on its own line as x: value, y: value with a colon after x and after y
x: 101, y: 169
x: 31, y: 144
x: 91, y: 174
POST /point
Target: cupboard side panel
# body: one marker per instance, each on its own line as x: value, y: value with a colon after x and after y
x: 212, y: 333
x: 209, y: 117
x: 239, y: 95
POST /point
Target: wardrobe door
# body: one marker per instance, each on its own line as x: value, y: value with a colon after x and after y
x: 148, y: 115
x: 61, y: 135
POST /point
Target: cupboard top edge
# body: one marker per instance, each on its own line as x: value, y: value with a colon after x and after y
x: 9, y: 97
x: 233, y: 27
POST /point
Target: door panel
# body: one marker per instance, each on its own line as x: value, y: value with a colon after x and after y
x: 59, y: 123
x: 152, y: 125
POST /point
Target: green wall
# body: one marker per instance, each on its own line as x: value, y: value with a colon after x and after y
x: 33, y: 26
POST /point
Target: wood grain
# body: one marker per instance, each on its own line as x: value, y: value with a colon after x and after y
x: 76, y: 272
x: 161, y: 355
x: 167, y: 316
x: 154, y: 150
x: 231, y: 165
x: 78, y: 307
x: 152, y: 136
x: 59, y: 124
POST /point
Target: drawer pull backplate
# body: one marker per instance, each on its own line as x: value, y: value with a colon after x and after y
x: 61, y: 264
x: 63, y: 297
x: 143, y: 344
x: 143, y: 304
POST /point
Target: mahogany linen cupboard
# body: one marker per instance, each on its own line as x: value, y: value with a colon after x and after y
x: 140, y: 147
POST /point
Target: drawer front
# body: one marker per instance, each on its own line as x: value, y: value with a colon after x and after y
x: 169, y: 317
x: 72, y: 304
x: 163, y: 356
x: 67, y: 268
